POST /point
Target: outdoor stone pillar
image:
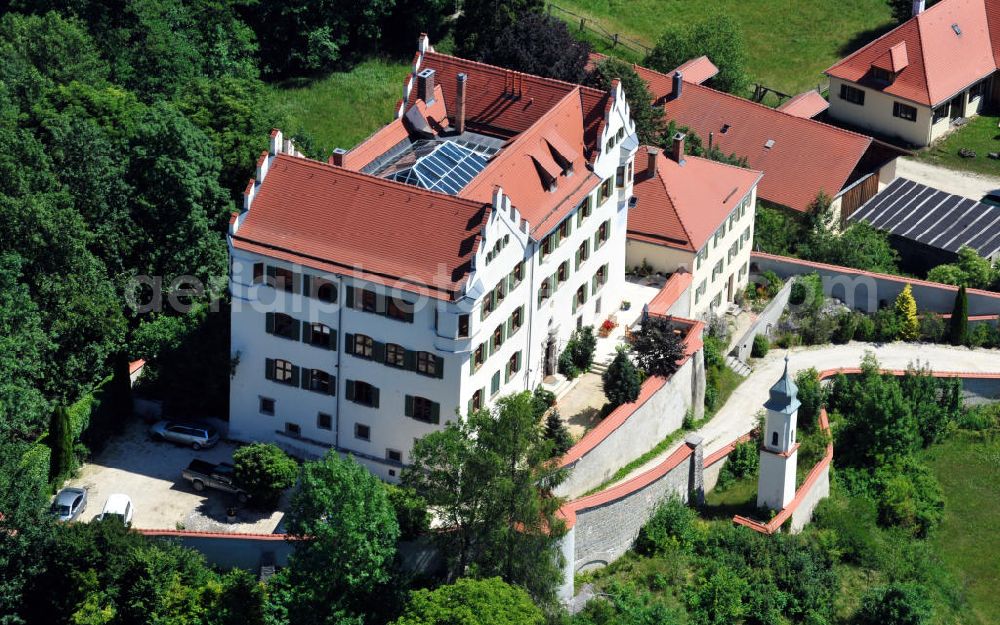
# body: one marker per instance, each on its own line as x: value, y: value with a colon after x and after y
x: 696, y: 479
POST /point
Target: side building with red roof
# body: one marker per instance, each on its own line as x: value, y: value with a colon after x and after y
x: 440, y: 264
x: 693, y: 216
x: 913, y: 83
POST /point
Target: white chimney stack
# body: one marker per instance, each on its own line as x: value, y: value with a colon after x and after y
x: 275, y: 141
x: 918, y: 7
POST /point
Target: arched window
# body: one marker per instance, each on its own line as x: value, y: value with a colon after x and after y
x: 774, y: 439
x: 319, y: 335
x: 284, y: 325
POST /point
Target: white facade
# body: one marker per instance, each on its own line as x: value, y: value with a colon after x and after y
x: 878, y: 111
x: 268, y: 401
x: 720, y: 269
x: 779, y: 454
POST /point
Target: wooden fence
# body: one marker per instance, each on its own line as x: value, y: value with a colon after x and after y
x: 586, y: 24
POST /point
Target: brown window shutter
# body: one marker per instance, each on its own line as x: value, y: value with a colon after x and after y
x: 408, y: 407
x: 269, y: 368
x: 269, y: 322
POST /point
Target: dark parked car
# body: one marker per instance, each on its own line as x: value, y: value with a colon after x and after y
x: 197, y: 435
x: 220, y: 476
x: 69, y: 504
x: 993, y: 198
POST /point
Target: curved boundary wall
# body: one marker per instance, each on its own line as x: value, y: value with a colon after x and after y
x: 816, y: 486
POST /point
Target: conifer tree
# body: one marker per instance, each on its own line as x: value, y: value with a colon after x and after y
x: 906, y: 312
x: 60, y: 441
x: 555, y: 431
x: 621, y: 380
x: 959, y: 327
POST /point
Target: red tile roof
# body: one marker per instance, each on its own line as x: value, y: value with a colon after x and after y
x: 807, y: 156
x: 335, y: 219
x: 934, y: 61
x: 698, y: 70
x: 683, y: 205
x: 505, y: 102
x: 807, y: 105
x: 516, y: 168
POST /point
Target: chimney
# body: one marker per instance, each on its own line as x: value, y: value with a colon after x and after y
x: 677, y: 153
x: 460, y: 113
x: 653, y: 154
x: 678, y: 85
x: 337, y: 158
x: 711, y: 140
x: 425, y: 85
x: 918, y: 7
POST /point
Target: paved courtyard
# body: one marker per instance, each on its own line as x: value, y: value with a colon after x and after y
x: 580, y: 408
x: 150, y: 474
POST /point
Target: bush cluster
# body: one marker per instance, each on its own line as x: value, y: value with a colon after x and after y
x: 578, y: 354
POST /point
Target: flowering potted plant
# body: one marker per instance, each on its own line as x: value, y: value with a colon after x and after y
x: 606, y: 327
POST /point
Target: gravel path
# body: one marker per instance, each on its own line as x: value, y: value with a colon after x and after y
x: 738, y: 415
x: 968, y: 184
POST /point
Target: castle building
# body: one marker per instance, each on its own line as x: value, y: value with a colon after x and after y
x: 779, y: 453
x: 438, y: 265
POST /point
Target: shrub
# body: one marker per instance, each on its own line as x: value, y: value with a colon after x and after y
x: 887, y: 325
x: 583, y: 343
x: 980, y: 418
x: 672, y: 525
x: 982, y: 335
x: 657, y: 349
x: 895, y: 604
x: 931, y: 327
x: 711, y: 397
x: 411, y: 511
x: 541, y: 401
x: 906, y: 312
x: 555, y: 431
x: 264, y: 471
x: 713, y: 352
x: 865, y: 330
x: 621, y: 380
x: 817, y: 327
x: 909, y: 496
x: 807, y: 291
x: 959, y: 323
x: 846, y: 326
x: 811, y: 396
x: 744, y: 460
x: 566, y: 366
x: 760, y: 346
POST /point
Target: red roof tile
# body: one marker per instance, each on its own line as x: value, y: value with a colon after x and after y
x: 939, y: 62
x: 807, y: 156
x: 806, y: 105
x: 683, y: 205
x: 515, y: 169
x: 698, y: 70
x: 335, y: 219
x: 505, y: 102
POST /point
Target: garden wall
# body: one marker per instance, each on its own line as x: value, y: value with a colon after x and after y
x: 864, y: 290
x: 765, y: 321
x: 629, y: 431
x: 603, y: 526
x: 243, y: 551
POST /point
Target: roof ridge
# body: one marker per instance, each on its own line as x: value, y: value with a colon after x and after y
x: 401, y: 186
x: 673, y: 201
x: 505, y: 69
x: 923, y: 64
x: 724, y: 164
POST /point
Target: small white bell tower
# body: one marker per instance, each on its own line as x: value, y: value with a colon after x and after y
x: 779, y: 454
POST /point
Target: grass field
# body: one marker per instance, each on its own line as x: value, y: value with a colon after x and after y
x: 789, y: 43
x: 343, y: 108
x: 968, y: 541
x: 981, y: 134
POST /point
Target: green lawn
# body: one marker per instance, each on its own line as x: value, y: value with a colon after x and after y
x: 343, y: 108
x: 968, y: 541
x: 789, y: 43
x: 981, y: 134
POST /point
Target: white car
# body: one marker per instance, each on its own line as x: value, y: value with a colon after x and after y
x: 117, y: 505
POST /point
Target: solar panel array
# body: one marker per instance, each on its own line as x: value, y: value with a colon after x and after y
x: 932, y: 217
x: 448, y: 168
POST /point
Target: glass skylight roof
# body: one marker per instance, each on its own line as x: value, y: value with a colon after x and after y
x: 447, y: 168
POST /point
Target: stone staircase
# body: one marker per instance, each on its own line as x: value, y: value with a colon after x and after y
x: 738, y: 366
x: 600, y: 367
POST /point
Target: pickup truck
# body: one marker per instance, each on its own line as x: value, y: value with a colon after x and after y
x: 220, y: 476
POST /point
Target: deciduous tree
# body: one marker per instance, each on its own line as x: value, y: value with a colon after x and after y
x: 657, y: 348
x: 649, y: 120
x: 265, y: 472
x: 538, y: 44
x: 471, y: 602
x: 718, y: 37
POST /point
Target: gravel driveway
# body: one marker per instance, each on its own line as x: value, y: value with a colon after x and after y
x: 967, y: 184
x: 150, y: 474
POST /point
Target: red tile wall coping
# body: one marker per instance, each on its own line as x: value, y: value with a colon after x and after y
x: 675, y: 286
x: 200, y: 534
x: 774, y: 524
x: 569, y: 510
x: 692, y: 342
x: 882, y: 276
x: 718, y: 455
